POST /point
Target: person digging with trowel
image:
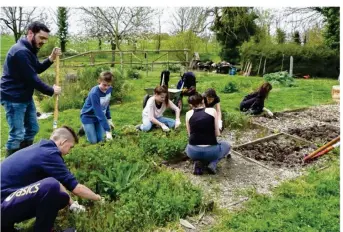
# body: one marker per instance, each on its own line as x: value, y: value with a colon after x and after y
x: 153, y: 111
x: 253, y: 103
x: 34, y: 182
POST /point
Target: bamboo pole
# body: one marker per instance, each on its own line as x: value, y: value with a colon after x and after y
x: 57, y: 82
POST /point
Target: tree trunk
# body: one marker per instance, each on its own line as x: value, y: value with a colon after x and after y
x: 99, y: 43
x: 113, y: 48
x: 16, y: 36
x: 63, y: 46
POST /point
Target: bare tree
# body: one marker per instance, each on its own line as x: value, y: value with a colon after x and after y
x: 303, y: 17
x: 18, y: 18
x: 121, y: 23
x: 195, y: 19
x: 94, y: 27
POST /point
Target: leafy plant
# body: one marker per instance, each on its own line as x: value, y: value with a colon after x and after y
x: 235, y: 120
x: 133, y: 74
x: 282, y: 78
x: 115, y: 180
x: 230, y: 88
x: 173, y: 67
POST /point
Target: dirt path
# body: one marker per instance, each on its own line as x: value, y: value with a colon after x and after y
x: 236, y: 176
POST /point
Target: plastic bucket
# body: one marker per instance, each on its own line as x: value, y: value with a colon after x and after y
x: 335, y: 93
x: 232, y: 71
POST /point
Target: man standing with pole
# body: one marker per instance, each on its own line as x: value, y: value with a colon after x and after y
x: 19, y: 79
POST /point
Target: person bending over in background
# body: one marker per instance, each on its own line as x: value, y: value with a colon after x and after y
x: 19, y: 80
x: 253, y: 103
x: 211, y: 99
x: 34, y: 182
x: 202, y: 128
x: 95, y: 113
x: 154, y: 109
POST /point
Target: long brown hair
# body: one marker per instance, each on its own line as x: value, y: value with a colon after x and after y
x: 162, y: 89
x: 264, y: 90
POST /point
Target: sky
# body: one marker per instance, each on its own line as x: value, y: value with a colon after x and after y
x: 75, y: 27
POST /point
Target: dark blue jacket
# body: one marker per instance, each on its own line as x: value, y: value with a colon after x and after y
x: 34, y: 163
x: 253, y: 102
x: 97, y: 108
x: 19, y: 77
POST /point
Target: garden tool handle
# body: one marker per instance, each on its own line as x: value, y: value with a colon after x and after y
x: 57, y: 66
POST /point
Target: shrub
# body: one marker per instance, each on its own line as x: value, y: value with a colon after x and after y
x: 173, y: 67
x: 317, y: 61
x: 159, y: 144
x: 133, y: 74
x: 230, y: 88
x: 281, y: 78
x: 235, y: 120
x: 74, y: 94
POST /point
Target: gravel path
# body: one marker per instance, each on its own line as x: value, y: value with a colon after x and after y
x: 236, y: 176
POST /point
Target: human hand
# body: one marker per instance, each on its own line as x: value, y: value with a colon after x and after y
x: 76, y: 208
x: 55, y: 52
x: 164, y: 127
x: 108, y: 136
x: 57, y: 89
x: 110, y: 123
x: 177, y: 123
x: 220, y: 124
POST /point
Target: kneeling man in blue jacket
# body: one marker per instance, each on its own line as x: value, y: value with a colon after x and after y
x: 34, y: 182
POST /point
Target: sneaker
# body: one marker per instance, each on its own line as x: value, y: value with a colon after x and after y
x: 197, y: 168
x: 212, y: 167
x: 138, y: 127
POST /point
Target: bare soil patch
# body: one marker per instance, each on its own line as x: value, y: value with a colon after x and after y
x: 319, y: 134
x: 302, y: 118
x: 279, y: 150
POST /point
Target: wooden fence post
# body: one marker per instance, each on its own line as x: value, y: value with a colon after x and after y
x: 264, y: 67
x: 259, y: 66
x: 291, y: 66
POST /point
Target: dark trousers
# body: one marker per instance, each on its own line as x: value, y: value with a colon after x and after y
x: 41, y: 200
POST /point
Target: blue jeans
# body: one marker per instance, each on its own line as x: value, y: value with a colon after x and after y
x: 94, y: 132
x: 147, y: 124
x: 41, y: 200
x: 22, y: 122
x: 208, y: 154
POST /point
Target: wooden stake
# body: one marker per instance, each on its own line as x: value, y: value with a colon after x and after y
x: 264, y: 68
x: 57, y: 82
x: 249, y: 69
x: 259, y: 66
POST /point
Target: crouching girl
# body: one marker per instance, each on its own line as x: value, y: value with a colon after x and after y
x: 202, y: 128
x: 153, y: 111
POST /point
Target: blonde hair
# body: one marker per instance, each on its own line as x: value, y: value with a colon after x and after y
x: 64, y: 132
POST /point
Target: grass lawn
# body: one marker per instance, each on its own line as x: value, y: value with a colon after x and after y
x: 310, y: 203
